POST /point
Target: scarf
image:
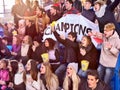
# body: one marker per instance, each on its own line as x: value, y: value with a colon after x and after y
x: 101, y: 12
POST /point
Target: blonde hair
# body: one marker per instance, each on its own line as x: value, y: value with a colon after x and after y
x: 75, y: 79
x: 49, y: 76
x: 18, y: 2
x: 109, y: 27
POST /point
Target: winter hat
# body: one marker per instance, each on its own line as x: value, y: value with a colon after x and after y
x: 102, y: 10
x: 74, y: 66
x: 100, y: 2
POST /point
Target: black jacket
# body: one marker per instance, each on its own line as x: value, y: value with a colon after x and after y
x: 100, y: 86
x: 91, y: 55
x: 108, y: 17
x: 71, y: 49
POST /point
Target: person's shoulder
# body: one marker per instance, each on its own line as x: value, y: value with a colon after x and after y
x: 83, y: 84
x: 103, y: 86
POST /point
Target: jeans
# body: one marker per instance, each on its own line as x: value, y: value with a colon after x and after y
x: 105, y: 73
x: 60, y: 72
x: 82, y: 73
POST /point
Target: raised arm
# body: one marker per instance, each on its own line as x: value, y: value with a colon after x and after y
x: 113, y: 5
x: 61, y: 40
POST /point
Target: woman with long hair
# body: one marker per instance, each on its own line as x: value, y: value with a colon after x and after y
x: 72, y: 80
x: 31, y: 77
x: 53, y: 53
x: 48, y: 79
x: 19, y: 83
x: 13, y: 68
x: 87, y: 52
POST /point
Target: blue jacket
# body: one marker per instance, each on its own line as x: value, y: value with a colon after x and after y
x: 116, y: 78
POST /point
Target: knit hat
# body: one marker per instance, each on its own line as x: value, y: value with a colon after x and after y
x: 102, y: 9
x: 74, y: 66
x: 101, y: 2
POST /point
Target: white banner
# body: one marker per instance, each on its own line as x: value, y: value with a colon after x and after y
x: 71, y: 22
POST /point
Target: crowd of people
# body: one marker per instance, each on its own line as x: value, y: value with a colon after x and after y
x: 29, y: 63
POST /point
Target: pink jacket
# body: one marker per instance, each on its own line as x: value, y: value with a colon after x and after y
x: 4, y: 76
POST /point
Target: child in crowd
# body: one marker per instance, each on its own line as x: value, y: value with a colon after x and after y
x: 4, y: 74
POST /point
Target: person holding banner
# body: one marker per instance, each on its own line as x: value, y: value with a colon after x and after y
x: 109, y: 52
x: 77, y: 5
x: 70, y: 53
x: 88, y: 11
